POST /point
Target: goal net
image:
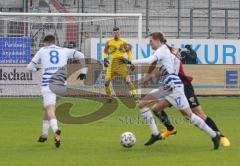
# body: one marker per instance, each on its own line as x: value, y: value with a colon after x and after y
x: 21, y: 36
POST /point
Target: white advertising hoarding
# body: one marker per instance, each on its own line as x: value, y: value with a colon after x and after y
x: 209, y: 51
x: 15, y: 80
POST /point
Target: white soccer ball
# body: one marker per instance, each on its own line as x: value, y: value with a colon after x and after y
x: 127, y: 139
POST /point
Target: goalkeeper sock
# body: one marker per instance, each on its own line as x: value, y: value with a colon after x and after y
x: 132, y: 89
x: 164, y: 119
x: 202, y: 125
x: 107, y: 90
x: 211, y: 124
x: 148, y: 118
x: 45, y: 127
x: 53, y: 125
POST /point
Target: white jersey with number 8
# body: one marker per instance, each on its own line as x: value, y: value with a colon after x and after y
x: 53, y: 59
x: 53, y: 63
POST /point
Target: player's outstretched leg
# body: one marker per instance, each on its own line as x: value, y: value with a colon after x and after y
x: 197, y: 121
x: 158, y: 110
x: 148, y: 118
x: 170, y: 129
x: 210, y: 122
x: 216, y: 140
x: 179, y: 101
x: 224, y: 141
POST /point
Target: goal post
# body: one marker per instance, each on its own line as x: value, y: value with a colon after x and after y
x: 23, y: 21
x: 21, y: 35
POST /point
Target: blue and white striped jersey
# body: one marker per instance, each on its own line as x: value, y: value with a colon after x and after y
x: 53, y: 63
x: 168, y: 65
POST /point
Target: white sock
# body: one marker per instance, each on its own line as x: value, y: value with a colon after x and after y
x: 148, y: 118
x: 45, y: 127
x: 202, y: 125
x: 53, y: 125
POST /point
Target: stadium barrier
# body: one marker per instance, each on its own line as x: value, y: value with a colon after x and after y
x: 15, y: 80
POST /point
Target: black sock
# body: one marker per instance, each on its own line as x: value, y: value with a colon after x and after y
x: 211, y: 124
x: 164, y: 119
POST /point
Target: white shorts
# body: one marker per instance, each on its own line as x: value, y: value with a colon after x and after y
x: 49, y: 98
x: 176, y: 97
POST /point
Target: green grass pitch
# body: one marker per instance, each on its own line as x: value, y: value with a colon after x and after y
x: 98, y: 143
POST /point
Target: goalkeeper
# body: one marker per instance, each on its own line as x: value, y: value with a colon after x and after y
x: 116, y: 48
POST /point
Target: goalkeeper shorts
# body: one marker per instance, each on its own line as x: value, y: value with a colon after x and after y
x: 117, y: 69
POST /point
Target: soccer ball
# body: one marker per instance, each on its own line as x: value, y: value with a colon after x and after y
x: 127, y: 139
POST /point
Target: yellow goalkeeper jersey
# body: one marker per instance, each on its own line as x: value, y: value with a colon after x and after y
x: 117, y: 49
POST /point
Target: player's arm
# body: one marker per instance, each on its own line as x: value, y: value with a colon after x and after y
x: 105, y: 54
x: 32, y: 66
x: 80, y: 56
x: 74, y: 54
x: 152, y: 67
x: 128, y: 51
x: 105, y: 51
x: 157, y: 56
x: 148, y: 60
x: 148, y: 76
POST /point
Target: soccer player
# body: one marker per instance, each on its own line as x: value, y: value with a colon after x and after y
x: 116, y: 47
x: 53, y: 65
x: 171, y: 88
x: 195, y: 106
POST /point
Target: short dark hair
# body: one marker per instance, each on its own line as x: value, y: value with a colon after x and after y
x: 49, y: 39
x: 115, y: 28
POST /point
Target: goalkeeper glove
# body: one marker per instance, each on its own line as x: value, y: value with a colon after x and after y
x: 106, y: 62
x: 132, y: 67
x: 126, y: 61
